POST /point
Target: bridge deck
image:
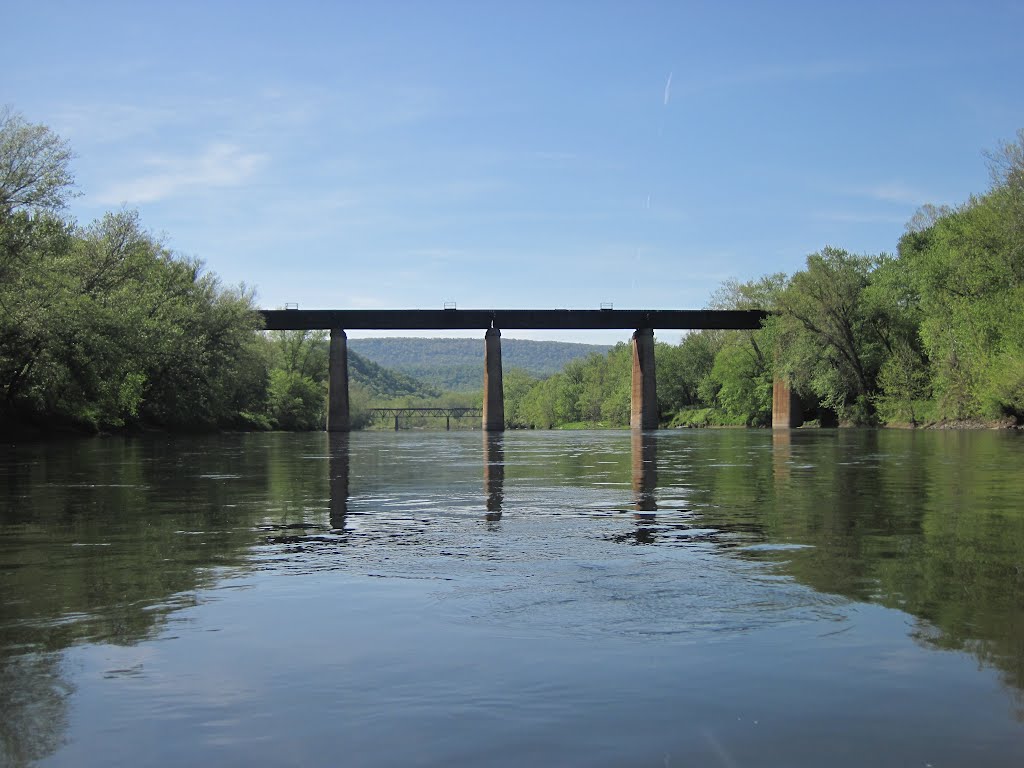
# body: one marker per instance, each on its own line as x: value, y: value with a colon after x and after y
x: 507, y: 319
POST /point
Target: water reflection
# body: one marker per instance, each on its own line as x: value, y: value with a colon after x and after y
x: 644, y: 467
x: 494, y: 474
x: 782, y: 453
x: 102, y: 541
x: 644, y: 484
x: 338, y: 479
x: 34, y: 699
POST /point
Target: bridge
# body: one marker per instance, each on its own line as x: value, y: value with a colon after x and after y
x: 643, y: 400
x: 448, y: 413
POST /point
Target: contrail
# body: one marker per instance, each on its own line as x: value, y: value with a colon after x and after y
x: 668, y: 89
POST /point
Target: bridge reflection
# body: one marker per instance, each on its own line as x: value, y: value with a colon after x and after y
x: 643, y: 464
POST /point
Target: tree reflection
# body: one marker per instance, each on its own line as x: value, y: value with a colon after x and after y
x: 33, y: 707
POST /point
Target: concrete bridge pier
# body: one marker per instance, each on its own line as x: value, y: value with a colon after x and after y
x: 337, y: 383
x: 494, y: 394
x: 786, y: 411
x: 643, y: 404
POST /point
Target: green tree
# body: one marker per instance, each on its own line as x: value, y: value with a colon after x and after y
x: 831, y: 337
x: 296, y: 402
x: 739, y: 382
x: 35, y: 166
x: 744, y: 385
x: 304, y: 353
x: 516, y: 383
x: 103, y: 326
x: 967, y: 266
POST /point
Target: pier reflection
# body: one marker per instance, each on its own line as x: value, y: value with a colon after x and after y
x: 644, y: 466
x: 338, y: 467
x: 782, y: 453
x: 494, y: 473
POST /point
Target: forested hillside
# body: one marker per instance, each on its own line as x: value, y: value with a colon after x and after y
x: 457, y: 364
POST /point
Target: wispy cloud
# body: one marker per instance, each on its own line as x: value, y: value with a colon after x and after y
x: 220, y: 165
x: 112, y: 123
x: 859, y: 217
x: 668, y: 89
x: 802, y: 72
x: 893, y: 192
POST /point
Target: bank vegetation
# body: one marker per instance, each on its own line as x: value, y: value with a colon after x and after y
x: 102, y: 326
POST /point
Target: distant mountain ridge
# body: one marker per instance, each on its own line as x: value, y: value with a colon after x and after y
x: 457, y: 364
x: 381, y: 381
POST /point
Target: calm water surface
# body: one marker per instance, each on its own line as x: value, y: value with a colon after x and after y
x: 711, y: 598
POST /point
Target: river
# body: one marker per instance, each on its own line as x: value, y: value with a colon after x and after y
x: 685, y: 598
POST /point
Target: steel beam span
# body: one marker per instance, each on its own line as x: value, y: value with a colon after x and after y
x: 453, y: 412
x: 509, y: 319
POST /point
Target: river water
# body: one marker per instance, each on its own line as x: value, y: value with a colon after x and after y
x: 698, y: 598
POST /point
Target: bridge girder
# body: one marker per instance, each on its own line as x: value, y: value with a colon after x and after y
x: 510, y: 319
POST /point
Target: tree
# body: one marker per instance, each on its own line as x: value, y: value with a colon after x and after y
x: 738, y: 383
x: 830, y: 336
x: 102, y: 326
x: 303, y: 352
x: 296, y: 402
x: 516, y: 383
x: 744, y: 391
x: 34, y: 166
x: 968, y: 271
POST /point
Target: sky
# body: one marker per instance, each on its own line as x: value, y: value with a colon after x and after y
x: 558, y: 154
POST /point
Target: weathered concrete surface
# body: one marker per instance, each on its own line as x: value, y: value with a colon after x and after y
x: 337, y: 383
x: 786, y: 411
x: 643, y: 405
x: 494, y: 393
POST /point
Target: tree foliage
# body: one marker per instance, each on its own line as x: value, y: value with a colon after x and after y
x: 103, y: 326
x: 35, y: 173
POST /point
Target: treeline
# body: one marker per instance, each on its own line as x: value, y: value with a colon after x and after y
x: 933, y: 333
x: 103, y: 327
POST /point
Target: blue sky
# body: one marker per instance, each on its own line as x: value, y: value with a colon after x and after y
x: 518, y: 154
